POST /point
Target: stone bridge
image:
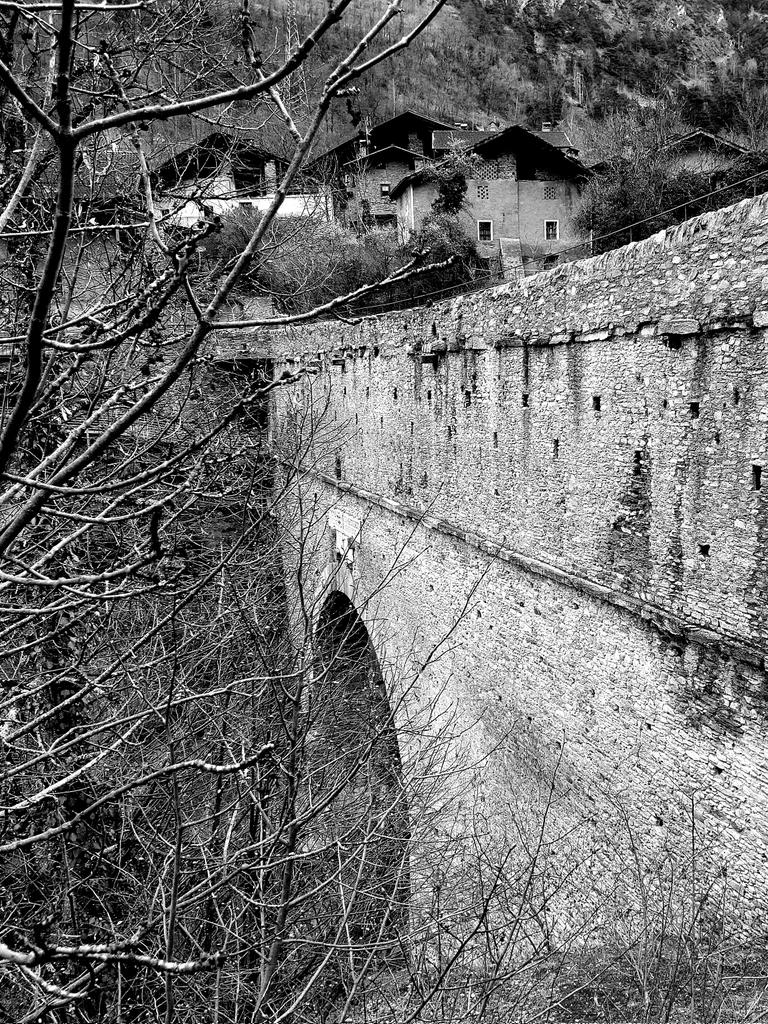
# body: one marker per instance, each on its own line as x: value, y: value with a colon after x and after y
x: 567, y: 477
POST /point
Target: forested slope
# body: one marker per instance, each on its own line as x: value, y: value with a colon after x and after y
x: 565, y: 59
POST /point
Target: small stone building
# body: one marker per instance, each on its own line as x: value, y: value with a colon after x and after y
x: 363, y: 168
x: 701, y: 152
x: 520, y: 201
x: 369, y: 180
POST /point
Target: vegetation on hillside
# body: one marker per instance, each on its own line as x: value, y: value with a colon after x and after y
x: 177, y: 844
x: 569, y: 61
x: 638, y: 188
x: 311, y: 263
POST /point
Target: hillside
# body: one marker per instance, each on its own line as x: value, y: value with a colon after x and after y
x: 564, y: 60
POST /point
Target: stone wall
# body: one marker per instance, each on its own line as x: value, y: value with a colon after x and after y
x: 587, y: 447
x: 367, y: 182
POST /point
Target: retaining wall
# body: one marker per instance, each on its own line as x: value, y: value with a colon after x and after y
x: 592, y: 444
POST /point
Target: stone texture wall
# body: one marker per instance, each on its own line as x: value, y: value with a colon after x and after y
x: 367, y: 187
x: 588, y: 447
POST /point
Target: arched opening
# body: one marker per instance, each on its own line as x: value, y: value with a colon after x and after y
x: 356, y: 762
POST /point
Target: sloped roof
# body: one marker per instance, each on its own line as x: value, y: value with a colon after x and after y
x: 557, y: 139
x: 255, y: 129
x: 519, y: 133
x: 442, y: 140
x: 699, y: 137
x: 345, y: 141
x: 407, y: 114
x: 378, y: 154
x: 691, y: 140
x: 179, y: 153
x: 498, y: 141
x: 410, y: 113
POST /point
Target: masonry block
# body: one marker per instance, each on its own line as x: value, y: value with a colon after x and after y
x: 681, y: 325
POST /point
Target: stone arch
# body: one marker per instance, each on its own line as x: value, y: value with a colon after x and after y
x: 356, y: 752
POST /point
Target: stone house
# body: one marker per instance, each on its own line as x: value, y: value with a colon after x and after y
x: 223, y: 172
x: 701, y: 152
x: 520, y: 201
x: 369, y: 179
x: 696, y: 152
x: 364, y: 167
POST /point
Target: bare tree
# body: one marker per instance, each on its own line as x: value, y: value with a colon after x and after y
x: 159, y: 818
x: 752, y: 117
x: 189, y: 829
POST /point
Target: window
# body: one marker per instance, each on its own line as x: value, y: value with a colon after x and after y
x: 550, y: 192
x: 384, y: 186
x: 485, y: 231
x: 482, y: 192
x: 487, y: 171
x: 551, y: 230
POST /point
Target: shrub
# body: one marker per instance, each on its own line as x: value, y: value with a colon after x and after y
x: 312, y: 262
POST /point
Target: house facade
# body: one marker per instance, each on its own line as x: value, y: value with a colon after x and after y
x: 364, y: 168
x: 369, y: 179
x: 222, y: 174
x: 521, y: 197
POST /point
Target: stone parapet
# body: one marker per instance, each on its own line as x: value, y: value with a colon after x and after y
x: 609, y: 418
